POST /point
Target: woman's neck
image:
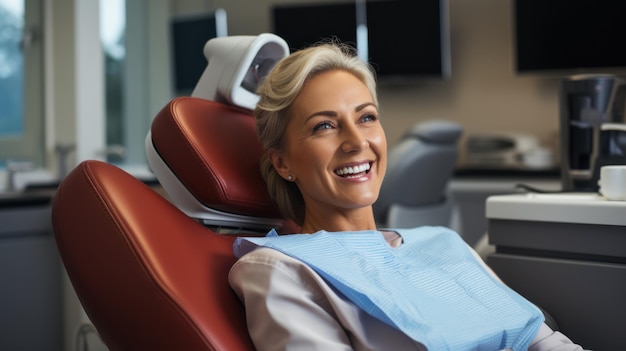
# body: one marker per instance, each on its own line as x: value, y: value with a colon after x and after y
x: 356, y: 220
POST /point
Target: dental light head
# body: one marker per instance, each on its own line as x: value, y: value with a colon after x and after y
x: 236, y: 66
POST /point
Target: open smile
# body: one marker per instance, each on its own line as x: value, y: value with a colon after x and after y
x: 353, y: 171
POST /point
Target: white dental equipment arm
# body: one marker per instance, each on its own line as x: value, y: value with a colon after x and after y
x: 236, y: 65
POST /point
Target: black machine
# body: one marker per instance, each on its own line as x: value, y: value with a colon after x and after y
x: 592, y: 127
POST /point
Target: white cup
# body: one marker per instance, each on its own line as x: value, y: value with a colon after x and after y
x: 613, y: 182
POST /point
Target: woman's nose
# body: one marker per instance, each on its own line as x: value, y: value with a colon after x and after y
x: 353, y: 140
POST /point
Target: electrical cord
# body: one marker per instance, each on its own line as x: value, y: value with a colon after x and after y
x: 532, y: 189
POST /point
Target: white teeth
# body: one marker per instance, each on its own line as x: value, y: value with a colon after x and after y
x: 353, y: 170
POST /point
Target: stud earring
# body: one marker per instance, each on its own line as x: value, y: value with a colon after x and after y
x: 290, y: 178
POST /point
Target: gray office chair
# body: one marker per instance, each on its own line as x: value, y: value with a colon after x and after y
x: 415, y: 189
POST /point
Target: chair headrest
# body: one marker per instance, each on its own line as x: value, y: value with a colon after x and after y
x: 419, y: 167
x: 213, y: 149
x: 436, y: 131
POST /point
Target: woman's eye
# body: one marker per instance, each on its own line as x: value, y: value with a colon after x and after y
x: 322, y: 126
x: 369, y: 118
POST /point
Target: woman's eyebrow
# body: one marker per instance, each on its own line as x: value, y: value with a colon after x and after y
x: 322, y: 113
x: 334, y: 114
x: 330, y: 113
x: 364, y: 105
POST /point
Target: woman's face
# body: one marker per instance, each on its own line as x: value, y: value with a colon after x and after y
x: 335, y: 146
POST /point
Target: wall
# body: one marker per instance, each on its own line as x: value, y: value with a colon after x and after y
x: 483, y: 94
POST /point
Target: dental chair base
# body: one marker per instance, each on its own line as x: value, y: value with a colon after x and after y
x: 440, y: 214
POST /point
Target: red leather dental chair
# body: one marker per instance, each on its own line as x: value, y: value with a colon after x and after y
x: 150, y: 276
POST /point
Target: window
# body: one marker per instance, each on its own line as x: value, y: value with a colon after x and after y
x: 137, y: 75
x: 134, y: 67
x: 21, y: 92
x: 112, y: 33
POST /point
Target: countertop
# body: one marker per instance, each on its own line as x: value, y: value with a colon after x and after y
x: 42, y: 194
x: 39, y: 196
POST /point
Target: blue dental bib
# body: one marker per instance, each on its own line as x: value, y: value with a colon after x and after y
x: 431, y: 288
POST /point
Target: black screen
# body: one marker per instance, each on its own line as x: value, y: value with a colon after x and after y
x: 304, y: 25
x: 406, y: 38
x: 569, y: 34
x: 189, y: 36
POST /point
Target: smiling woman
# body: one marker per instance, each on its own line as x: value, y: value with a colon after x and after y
x: 333, y: 136
x: 274, y: 113
x: 342, y: 283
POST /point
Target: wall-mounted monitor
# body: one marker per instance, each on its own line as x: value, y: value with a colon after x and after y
x: 404, y: 39
x: 189, y: 34
x: 302, y: 25
x: 568, y: 36
x: 409, y: 38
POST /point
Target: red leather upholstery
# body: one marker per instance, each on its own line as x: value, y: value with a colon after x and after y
x: 148, y: 276
x: 187, y: 133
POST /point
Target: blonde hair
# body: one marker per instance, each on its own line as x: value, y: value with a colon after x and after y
x: 278, y: 91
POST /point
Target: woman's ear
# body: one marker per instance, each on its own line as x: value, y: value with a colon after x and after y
x: 277, y: 159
